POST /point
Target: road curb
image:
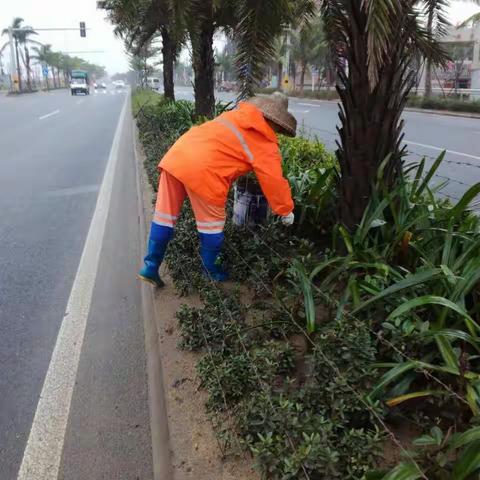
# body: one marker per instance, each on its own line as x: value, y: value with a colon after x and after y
x: 161, y: 451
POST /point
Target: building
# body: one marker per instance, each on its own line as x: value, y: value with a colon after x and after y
x: 463, y: 71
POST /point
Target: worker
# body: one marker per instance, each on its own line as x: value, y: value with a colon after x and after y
x: 204, y: 162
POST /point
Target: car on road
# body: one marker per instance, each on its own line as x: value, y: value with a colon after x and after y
x: 119, y: 85
x: 101, y: 86
x: 154, y: 83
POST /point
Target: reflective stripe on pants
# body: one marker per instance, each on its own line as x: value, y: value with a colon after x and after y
x: 170, y: 197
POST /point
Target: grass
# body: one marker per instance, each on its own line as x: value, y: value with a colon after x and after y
x: 144, y: 97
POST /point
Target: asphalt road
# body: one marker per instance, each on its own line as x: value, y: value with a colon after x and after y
x: 426, y: 136
x: 54, y: 150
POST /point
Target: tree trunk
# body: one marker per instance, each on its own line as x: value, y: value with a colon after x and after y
x: 302, y: 78
x: 27, y: 66
x: 168, y: 52
x: 371, y: 124
x: 204, y: 66
x: 19, y: 72
x: 279, y: 75
x: 428, y: 64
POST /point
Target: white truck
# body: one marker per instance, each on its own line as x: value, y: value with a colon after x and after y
x: 79, y: 82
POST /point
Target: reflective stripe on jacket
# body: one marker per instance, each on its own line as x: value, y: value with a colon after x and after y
x: 208, y: 158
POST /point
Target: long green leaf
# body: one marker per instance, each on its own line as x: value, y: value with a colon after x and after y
x: 392, y: 402
x: 432, y: 300
x: 392, y: 375
x: 430, y: 173
x: 473, y: 400
x: 456, y: 335
x: 461, y: 439
x: 447, y: 352
x: 409, y: 281
x: 465, y: 201
x: 468, y: 463
x: 404, y: 471
x: 420, y: 167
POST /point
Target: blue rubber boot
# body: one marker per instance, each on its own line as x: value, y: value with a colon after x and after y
x: 157, y: 245
x: 210, y: 247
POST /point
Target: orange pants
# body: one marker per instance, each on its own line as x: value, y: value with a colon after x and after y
x: 170, y: 197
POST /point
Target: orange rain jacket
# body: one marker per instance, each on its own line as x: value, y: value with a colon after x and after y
x: 208, y: 158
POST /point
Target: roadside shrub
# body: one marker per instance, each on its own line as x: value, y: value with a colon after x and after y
x: 216, y: 326
x: 440, y: 103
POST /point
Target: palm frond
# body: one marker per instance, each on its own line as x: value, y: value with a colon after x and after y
x: 258, y: 26
x: 473, y: 19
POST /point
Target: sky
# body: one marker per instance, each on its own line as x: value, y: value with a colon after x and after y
x: 68, y: 14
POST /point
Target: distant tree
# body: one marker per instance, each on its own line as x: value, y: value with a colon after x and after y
x: 21, y: 34
x: 44, y: 55
x: 308, y: 46
x: 225, y: 60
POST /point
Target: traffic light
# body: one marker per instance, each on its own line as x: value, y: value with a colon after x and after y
x: 83, y: 31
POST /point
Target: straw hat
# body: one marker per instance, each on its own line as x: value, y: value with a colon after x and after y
x: 275, y: 108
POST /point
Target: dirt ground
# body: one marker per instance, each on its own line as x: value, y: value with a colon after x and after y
x: 195, y: 451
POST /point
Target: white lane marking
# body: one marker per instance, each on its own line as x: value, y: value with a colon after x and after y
x: 309, y: 104
x: 433, y: 147
x: 78, y: 102
x: 49, y: 114
x: 43, y: 452
x: 296, y: 110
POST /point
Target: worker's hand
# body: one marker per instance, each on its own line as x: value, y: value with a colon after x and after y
x: 288, y: 219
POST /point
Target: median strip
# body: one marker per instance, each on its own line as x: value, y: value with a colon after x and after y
x: 43, y: 117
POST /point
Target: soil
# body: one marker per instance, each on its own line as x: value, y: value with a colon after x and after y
x: 195, y: 450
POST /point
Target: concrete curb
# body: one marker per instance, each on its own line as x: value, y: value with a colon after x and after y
x: 161, y: 451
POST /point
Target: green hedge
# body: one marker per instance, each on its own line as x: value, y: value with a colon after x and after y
x: 450, y: 104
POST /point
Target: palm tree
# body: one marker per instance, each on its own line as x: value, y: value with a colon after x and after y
x: 138, y: 22
x: 17, y: 39
x: 23, y: 39
x: 309, y: 47
x: 44, y: 56
x: 374, y: 43
x: 436, y: 27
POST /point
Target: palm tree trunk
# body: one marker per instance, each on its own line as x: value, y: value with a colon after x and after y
x: 204, y: 67
x: 279, y: 75
x: 428, y: 64
x: 302, y: 78
x: 19, y: 73
x: 27, y: 65
x: 366, y: 140
x: 168, y: 52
